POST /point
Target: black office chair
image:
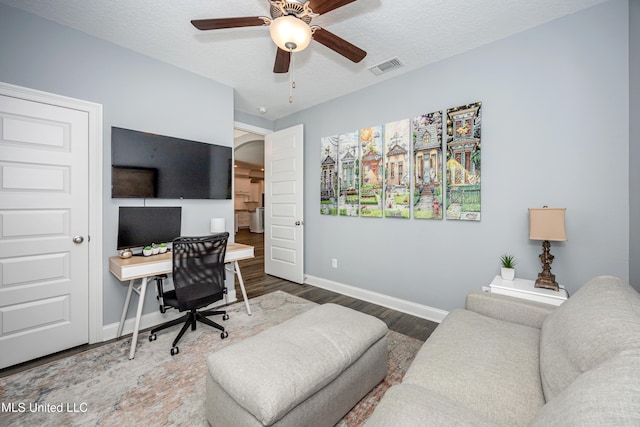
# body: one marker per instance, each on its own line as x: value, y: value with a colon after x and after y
x: 198, y: 279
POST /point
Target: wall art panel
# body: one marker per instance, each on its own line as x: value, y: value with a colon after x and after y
x: 329, y: 176
x: 348, y: 174
x: 427, y: 166
x: 372, y: 176
x: 397, y: 138
x: 463, y: 162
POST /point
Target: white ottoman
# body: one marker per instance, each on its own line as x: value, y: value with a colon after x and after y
x: 308, y: 371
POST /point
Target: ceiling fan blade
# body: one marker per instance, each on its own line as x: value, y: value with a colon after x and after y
x: 216, y: 24
x: 283, y: 59
x: 339, y: 45
x: 324, y: 6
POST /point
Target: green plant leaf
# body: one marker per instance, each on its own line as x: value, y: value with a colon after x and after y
x: 508, y: 261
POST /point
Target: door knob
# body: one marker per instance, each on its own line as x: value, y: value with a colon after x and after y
x: 78, y: 239
x: 299, y: 222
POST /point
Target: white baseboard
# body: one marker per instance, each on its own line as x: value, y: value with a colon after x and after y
x: 418, y: 310
x: 149, y: 320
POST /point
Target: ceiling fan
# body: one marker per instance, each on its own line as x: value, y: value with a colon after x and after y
x: 291, y: 30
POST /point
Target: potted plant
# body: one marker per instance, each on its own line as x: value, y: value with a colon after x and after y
x: 507, y: 270
x: 163, y: 248
x: 147, y: 251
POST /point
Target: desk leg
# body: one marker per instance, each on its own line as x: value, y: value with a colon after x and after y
x: 134, y: 338
x: 236, y: 268
x: 127, y: 300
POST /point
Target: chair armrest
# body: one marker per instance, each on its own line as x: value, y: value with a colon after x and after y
x: 509, y: 309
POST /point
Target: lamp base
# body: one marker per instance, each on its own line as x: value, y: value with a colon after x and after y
x: 547, y: 282
x: 545, y: 278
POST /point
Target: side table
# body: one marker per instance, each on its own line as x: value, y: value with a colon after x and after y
x: 525, y: 289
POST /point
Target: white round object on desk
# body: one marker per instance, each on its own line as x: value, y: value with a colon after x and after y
x: 218, y: 225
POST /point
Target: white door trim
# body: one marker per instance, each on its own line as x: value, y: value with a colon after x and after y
x: 94, y: 112
x: 251, y: 128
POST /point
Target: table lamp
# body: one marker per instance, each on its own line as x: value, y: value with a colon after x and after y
x: 547, y: 224
x: 217, y: 225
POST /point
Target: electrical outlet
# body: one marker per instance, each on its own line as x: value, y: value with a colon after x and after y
x: 334, y: 262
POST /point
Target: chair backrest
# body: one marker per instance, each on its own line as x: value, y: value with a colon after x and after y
x: 198, y: 270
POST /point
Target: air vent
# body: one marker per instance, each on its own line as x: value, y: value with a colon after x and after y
x: 386, y: 66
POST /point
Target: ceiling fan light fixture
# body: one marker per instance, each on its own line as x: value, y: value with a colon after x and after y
x: 290, y: 33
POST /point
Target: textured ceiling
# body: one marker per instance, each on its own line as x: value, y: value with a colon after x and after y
x: 418, y: 32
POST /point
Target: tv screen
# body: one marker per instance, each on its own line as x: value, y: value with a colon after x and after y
x: 142, y: 226
x: 145, y: 165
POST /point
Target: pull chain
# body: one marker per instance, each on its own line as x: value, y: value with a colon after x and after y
x: 292, y: 83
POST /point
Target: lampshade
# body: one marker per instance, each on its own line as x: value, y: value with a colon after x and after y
x: 217, y: 225
x: 290, y: 33
x: 547, y: 224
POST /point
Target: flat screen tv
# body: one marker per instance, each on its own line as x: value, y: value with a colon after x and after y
x: 145, y: 165
x: 142, y: 226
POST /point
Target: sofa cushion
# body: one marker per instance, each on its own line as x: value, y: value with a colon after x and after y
x: 486, y: 365
x: 409, y: 405
x: 598, y: 322
x: 608, y: 395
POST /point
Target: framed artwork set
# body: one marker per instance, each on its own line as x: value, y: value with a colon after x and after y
x: 398, y: 169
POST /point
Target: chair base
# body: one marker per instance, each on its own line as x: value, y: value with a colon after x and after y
x: 190, y: 319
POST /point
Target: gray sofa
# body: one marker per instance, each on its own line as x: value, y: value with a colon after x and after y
x: 509, y: 362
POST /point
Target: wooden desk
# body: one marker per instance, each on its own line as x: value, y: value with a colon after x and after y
x: 142, y: 267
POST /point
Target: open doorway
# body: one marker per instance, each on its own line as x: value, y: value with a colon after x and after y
x: 248, y: 181
x: 283, y: 218
x: 249, y: 202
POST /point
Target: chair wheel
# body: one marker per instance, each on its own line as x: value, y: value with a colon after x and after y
x: 153, y: 337
x: 224, y: 334
x: 225, y: 317
x: 174, y: 351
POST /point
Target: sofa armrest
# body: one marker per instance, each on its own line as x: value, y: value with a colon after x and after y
x: 509, y: 309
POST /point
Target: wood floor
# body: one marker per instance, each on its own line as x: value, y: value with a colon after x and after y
x: 258, y: 283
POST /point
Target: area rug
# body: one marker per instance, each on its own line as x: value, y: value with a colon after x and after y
x: 102, y: 387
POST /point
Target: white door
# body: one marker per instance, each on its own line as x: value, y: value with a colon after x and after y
x: 284, y: 214
x: 44, y: 223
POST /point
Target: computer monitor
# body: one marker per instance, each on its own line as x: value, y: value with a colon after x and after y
x: 142, y: 226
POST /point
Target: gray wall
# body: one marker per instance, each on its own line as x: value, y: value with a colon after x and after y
x: 249, y: 119
x: 136, y: 92
x: 555, y: 132
x: 634, y: 142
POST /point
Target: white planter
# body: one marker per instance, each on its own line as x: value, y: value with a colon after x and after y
x: 507, y: 273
